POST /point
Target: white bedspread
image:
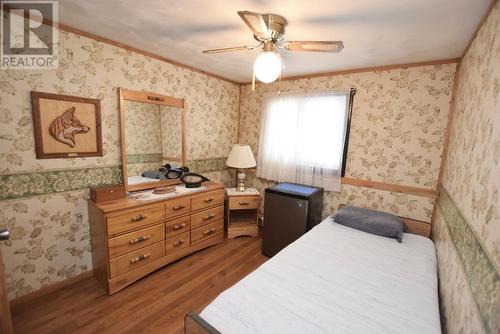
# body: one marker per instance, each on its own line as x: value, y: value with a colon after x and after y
x: 336, y: 279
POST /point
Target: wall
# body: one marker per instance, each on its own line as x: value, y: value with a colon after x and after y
x: 397, y: 132
x: 143, y: 137
x: 467, y: 225
x: 171, y: 129
x: 43, y: 202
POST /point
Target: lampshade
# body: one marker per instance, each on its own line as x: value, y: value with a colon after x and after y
x: 267, y: 66
x: 240, y: 157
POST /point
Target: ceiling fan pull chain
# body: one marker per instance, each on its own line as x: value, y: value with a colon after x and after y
x: 253, y: 80
x: 279, y: 84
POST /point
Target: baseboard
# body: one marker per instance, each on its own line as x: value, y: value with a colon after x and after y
x: 20, y: 303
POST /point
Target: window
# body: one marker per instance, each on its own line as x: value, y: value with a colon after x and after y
x: 302, y: 138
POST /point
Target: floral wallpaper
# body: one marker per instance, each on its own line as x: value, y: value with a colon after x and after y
x: 49, y: 240
x: 152, y: 129
x: 226, y: 177
x: 472, y: 174
x: 95, y: 70
x: 397, y: 131
x: 471, y: 183
x: 171, y: 130
x: 142, y: 136
x: 43, y: 202
x: 142, y: 128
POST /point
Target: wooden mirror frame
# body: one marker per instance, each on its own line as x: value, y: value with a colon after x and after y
x: 153, y: 98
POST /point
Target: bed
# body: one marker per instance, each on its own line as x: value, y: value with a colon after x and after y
x: 334, y: 279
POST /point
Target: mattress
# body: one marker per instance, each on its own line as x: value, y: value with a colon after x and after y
x: 335, y: 279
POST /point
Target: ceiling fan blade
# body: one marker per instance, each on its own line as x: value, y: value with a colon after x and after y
x: 256, y: 23
x: 235, y: 48
x: 314, y: 46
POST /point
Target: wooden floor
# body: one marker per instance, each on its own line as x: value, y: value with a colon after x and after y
x: 155, y: 304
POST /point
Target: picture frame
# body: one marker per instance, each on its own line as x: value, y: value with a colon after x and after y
x: 66, y: 126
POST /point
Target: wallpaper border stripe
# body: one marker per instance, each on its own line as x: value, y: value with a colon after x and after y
x: 483, y: 276
x: 207, y: 165
x: 26, y: 184
x: 142, y: 158
x: 47, y: 182
x: 21, y: 185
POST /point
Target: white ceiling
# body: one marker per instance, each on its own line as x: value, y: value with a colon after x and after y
x: 375, y: 32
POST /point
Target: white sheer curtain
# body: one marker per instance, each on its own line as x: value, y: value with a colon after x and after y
x: 302, y: 138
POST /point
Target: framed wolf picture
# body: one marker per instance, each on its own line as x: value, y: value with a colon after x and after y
x: 66, y: 126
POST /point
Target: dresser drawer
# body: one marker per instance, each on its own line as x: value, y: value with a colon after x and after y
x: 136, y: 259
x: 131, y: 219
x: 207, y: 216
x: 135, y: 240
x: 178, y: 242
x: 243, y: 202
x: 207, y: 200
x: 178, y: 226
x: 206, y: 231
x: 177, y: 207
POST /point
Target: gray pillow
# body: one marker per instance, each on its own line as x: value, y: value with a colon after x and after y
x: 371, y: 221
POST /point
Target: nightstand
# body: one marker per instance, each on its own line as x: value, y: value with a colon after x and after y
x: 242, y: 209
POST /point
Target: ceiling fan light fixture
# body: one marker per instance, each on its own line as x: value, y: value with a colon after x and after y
x: 269, y: 31
x: 267, y: 66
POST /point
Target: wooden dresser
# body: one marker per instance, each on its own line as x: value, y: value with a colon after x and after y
x: 131, y: 238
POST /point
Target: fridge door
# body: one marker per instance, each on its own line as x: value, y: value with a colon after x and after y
x: 285, y: 220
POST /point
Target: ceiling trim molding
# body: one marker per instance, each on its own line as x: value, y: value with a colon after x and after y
x: 480, y: 24
x: 109, y: 41
x: 366, y: 69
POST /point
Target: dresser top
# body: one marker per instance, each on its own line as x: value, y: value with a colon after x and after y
x: 130, y: 202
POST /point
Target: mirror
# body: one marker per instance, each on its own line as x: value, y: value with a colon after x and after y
x: 152, y: 134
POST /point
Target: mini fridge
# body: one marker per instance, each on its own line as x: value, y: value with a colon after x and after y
x: 290, y: 210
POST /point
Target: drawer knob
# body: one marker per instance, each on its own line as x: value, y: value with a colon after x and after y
x: 244, y: 203
x: 139, y: 239
x: 179, y: 206
x: 139, y: 218
x: 179, y: 226
x: 178, y: 243
x: 140, y: 258
x: 209, y: 216
x: 210, y: 231
x: 210, y: 199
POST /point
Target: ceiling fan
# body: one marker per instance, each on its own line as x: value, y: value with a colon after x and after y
x: 269, y: 31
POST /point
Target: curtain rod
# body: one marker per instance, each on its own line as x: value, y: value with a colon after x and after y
x: 351, y: 91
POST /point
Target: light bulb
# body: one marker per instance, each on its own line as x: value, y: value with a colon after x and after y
x: 267, y: 66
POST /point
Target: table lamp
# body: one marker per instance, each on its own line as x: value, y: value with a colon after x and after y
x: 240, y: 157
